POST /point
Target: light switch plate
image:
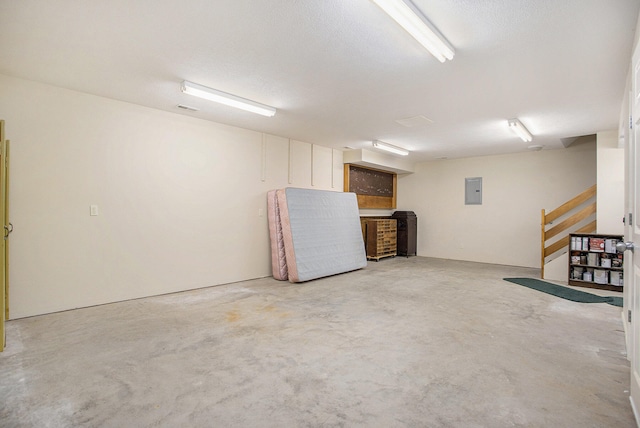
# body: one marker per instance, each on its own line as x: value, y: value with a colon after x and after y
x: 93, y: 210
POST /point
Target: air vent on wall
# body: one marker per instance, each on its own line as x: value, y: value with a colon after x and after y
x: 184, y: 107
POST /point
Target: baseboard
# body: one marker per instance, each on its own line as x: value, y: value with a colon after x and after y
x: 635, y: 412
x: 634, y: 391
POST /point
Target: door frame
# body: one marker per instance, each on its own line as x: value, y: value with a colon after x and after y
x: 4, y: 307
x: 632, y: 234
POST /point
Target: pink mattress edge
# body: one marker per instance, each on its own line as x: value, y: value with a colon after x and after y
x: 278, y: 257
x: 287, y: 239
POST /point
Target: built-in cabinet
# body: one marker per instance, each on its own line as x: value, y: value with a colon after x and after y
x: 594, y: 261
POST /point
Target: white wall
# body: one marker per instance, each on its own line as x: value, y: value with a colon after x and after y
x: 182, y: 201
x: 610, y: 197
x: 505, y: 229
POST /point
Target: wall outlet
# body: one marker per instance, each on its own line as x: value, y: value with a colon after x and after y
x: 93, y: 210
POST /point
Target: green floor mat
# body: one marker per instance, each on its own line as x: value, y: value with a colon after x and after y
x: 565, y: 292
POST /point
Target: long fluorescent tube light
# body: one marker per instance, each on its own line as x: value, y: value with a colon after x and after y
x: 415, y: 23
x: 226, y: 99
x: 390, y: 148
x: 516, y: 126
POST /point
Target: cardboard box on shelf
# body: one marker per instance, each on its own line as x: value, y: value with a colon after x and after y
x: 615, y: 278
x: 610, y: 245
x: 596, y: 244
x: 600, y: 276
x: 576, y: 272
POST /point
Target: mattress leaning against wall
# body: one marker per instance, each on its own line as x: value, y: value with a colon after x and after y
x: 321, y: 233
x: 278, y: 258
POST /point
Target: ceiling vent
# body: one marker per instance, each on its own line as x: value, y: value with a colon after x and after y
x: 411, y: 122
x: 184, y: 107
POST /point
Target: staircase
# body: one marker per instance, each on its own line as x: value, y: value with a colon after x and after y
x: 574, y: 216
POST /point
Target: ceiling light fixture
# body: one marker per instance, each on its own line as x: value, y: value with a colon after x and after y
x: 415, y: 23
x: 226, y: 99
x: 390, y: 148
x: 516, y: 126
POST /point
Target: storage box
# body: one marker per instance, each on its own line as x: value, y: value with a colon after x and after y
x: 596, y: 244
x: 593, y: 259
x: 587, y: 276
x: 615, y: 278
x: 577, y: 272
x: 605, y: 262
x: 616, y: 261
x: 600, y: 276
x: 576, y: 243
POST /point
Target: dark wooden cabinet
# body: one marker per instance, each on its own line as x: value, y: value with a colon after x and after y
x: 407, y: 233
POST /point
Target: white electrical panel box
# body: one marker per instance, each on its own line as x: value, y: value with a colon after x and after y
x: 473, y: 191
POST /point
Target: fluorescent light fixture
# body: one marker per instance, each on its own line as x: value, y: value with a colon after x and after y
x: 516, y: 126
x: 415, y: 23
x: 226, y: 99
x: 390, y: 148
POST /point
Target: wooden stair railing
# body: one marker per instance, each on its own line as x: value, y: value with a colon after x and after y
x: 563, y: 227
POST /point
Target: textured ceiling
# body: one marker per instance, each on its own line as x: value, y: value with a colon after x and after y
x: 340, y: 72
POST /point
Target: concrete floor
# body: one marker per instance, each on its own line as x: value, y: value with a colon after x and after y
x: 412, y: 342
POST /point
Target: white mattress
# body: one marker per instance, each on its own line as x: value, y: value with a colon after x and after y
x: 321, y: 233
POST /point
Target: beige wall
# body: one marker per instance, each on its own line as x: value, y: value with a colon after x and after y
x: 505, y: 229
x: 182, y: 201
x: 610, y: 158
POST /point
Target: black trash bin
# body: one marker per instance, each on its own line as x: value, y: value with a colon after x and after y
x: 407, y: 237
